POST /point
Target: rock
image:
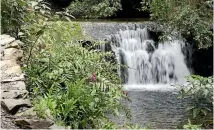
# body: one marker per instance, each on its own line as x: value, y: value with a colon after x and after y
x: 12, y: 78
x: 7, y: 63
x: 13, y: 73
x: 18, y: 85
x: 6, y: 40
x: 33, y: 124
x: 13, y: 105
x: 19, y: 42
x: 3, y: 36
x: 13, y: 94
x: 56, y: 127
x: 12, y: 53
x: 14, y: 44
x: 1, y: 56
x: 27, y: 113
x: 7, y: 121
x: 14, y: 69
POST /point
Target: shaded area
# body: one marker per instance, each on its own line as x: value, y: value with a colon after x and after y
x: 203, y: 61
x: 59, y: 4
x: 131, y: 9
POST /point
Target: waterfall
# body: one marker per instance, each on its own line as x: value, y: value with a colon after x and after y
x: 148, y: 62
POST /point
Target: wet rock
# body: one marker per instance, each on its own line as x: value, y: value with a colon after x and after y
x: 33, y: 124
x: 86, y: 44
x: 13, y: 105
x: 150, y: 46
x: 12, y: 53
x: 18, y: 85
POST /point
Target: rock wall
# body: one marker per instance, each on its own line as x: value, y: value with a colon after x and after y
x: 16, y: 109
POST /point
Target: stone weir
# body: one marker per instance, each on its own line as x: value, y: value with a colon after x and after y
x: 101, y: 30
x: 16, y: 108
x: 154, y: 101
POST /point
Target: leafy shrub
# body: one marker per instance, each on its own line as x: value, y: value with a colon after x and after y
x: 200, y: 91
x: 94, y: 8
x: 14, y: 14
x: 190, y: 126
x: 60, y: 71
x: 191, y: 18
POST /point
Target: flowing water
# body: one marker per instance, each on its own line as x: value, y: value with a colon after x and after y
x: 147, y: 63
x: 150, y: 70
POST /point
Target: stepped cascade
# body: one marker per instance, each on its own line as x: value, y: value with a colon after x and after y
x: 151, y: 68
x: 148, y: 62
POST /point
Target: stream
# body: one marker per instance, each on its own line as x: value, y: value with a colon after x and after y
x: 152, y: 68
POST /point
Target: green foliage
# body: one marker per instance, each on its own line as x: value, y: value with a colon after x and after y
x: 59, y: 71
x: 94, y: 8
x: 80, y: 106
x: 19, y: 17
x: 191, y: 18
x: 190, y: 126
x: 200, y: 91
x: 14, y: 14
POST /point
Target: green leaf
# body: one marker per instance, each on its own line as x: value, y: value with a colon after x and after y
x: 96, y: 99
x: 195, y: 112
x: 40, y: 32
x: 204, y: 111
x: 189, y: 108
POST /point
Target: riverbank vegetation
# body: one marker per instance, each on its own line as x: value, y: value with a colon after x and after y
x: 74, y: 86
x: 200, y: 92
x: 77, y: 87
x: 193, y: 19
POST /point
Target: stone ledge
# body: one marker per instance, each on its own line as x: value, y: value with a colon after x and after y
x: 12, y: 53
x: 13, y: 89
x: 13, y: 85
x: 33, y: 124
x: 13, y: 105
x: 13, y: 94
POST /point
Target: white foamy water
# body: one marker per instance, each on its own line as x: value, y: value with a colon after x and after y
x: 150, y: 66
x: 149, y: 87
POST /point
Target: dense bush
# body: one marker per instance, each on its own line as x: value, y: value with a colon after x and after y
x: 14, y: 14
x: 200, y: 91
x: 94, y: 8
x: 60, y: 72
x: 191, y: 18
x: 72, y: 85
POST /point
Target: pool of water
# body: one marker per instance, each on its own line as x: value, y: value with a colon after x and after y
x: 156, y: 106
